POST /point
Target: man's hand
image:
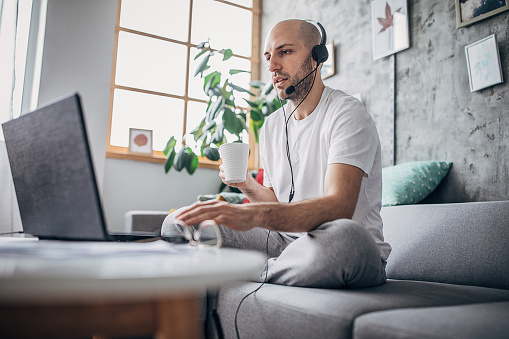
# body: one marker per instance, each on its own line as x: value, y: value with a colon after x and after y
x: 236, y: 217
x: 238, y: 185
x: 251, y: 188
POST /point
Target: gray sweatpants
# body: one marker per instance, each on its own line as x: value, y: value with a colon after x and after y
x: 338, y: 254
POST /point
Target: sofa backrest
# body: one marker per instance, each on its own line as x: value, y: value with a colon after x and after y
x: 462, y: 243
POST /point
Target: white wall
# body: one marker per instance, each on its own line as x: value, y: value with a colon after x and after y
x: 134, y: 185
x: 77, y: 56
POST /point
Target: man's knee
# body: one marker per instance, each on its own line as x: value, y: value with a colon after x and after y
x: 344, y: 236
x: 337, y: 254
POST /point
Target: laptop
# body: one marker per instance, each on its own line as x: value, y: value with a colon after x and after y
x: 54, y: 176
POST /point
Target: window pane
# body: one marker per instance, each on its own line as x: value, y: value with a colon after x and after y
x: 216, y: 63
x: 163, y: 115
x: 169, y: 19
x: 245, y: 3
x: 150, y: 64
x: 227, y: 26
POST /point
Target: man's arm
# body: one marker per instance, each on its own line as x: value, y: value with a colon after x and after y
x: 341, y: 188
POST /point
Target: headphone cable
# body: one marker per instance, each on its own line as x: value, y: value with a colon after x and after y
x: 292, y: 189
x: 256, y: 290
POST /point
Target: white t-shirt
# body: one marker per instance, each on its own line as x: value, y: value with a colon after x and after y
x: 339, y: 130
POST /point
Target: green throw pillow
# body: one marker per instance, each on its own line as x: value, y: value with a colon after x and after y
x: 411, y: 182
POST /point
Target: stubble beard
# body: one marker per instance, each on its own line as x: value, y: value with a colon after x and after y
x: 305, y: 86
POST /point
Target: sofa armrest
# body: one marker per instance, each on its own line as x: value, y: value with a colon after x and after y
x: 144, y: 221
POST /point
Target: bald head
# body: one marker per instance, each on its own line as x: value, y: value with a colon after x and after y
x: 308, y: 33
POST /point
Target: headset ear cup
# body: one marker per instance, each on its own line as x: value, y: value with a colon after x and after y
x: 320, y: 53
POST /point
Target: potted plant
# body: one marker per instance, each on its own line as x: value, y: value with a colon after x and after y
x: 222, y: 114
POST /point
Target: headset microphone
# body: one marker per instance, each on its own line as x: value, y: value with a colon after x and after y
x: 290, y: 89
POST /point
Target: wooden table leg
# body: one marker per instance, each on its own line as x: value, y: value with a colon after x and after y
x: 178, y: 317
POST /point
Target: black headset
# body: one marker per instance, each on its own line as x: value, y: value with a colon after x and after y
x: 319, y: 52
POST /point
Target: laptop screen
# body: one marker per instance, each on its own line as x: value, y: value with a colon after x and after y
x: 53, y: 173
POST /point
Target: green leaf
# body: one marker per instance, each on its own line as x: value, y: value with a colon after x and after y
x: 218, y: 136
x: 230, y: 103
x: 200, y: 54
x: 242, y: 115
x: 241, y: 123
x: 211, y: 81
x: 180, y: 160
x: 203, y: 66
x: 202, y: 44
x: 169, y: 145
x: 199, y: 127
x: 254, y: 128
x: 211, y: 153
x: 257, y: 84
x: 227, y: 53
x: 240, y: 89
x: 191, y: 161
x: 198, y: 130
x: 252, y: 104
x: 258, y: 123
x: 209, y: 126
x: 214, y: 109
x: 216, y: 91
x: 267, y: 88
x: 268, y: 108
x: 256, y: 115
x: 277, y: 103
x: 225, y: 92
x: 230, y: 121
x: 169, y: 161
x: 236, y: 71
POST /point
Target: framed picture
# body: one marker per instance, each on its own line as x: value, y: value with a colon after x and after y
x: 483, y: 63
x: 389, y: 22
x: 328, y: 67
x: 140, y: 141
x: 471, y: 11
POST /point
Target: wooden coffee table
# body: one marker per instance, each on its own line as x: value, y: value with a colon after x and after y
x: 61, y: 289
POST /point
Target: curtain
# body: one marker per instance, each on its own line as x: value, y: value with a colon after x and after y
x: 10, y: 104
x: 8, y: 30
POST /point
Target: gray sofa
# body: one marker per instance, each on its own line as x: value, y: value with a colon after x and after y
x: 448, y: 277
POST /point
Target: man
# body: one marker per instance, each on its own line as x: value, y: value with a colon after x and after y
x: 330, y: 235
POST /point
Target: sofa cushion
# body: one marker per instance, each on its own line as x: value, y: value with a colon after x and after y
x: 464, y: 243
x: 463, y: 321
x: 409, y: 183
x: 277, y: 311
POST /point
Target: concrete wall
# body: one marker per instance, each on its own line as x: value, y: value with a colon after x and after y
x: 77, y: 56
x: 437, y: 118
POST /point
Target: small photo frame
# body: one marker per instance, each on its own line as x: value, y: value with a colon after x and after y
x: 328, y: 67
x: 140, y: 141
x: 483, y: 63
x: 389, y: 27
x: 472, y: 11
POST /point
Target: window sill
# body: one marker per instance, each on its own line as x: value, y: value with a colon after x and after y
x: 158, y: 157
